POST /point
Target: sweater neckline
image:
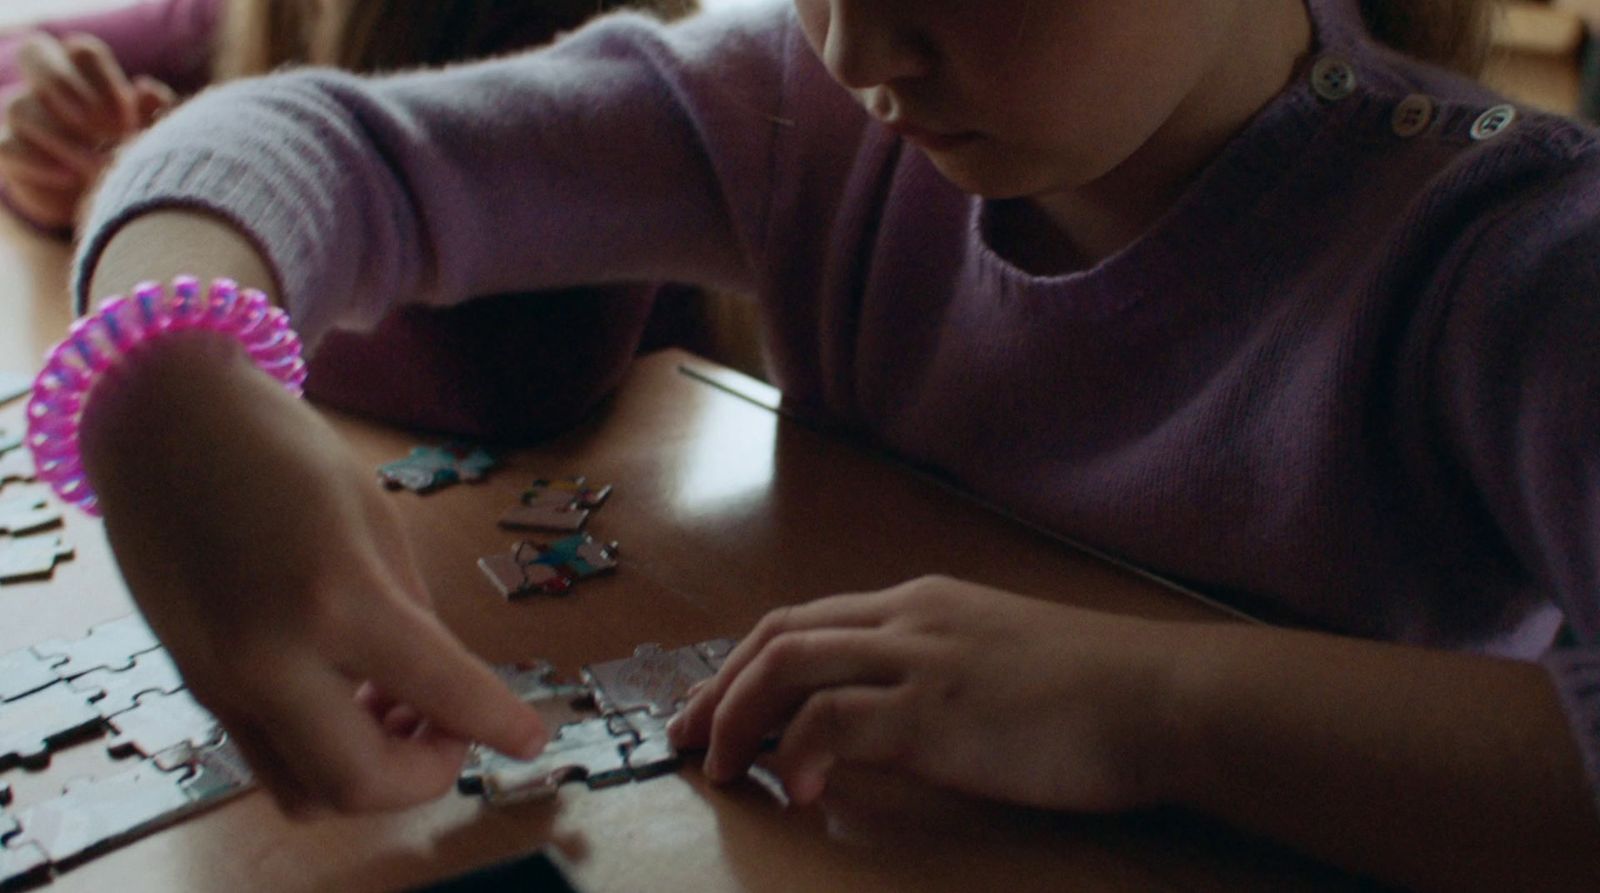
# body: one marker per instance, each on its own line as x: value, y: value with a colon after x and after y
x: 1240, y: 178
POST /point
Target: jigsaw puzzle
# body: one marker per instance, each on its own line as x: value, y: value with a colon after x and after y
x: 33, y: 556
x: 652, y: 680
x: 14, y: 385
x: 21, y: 862
x: 597, y: 751
x: 160, y: 722
x: 111, y: 645
x: 530, y: 568
x: 9, y: 440
x: 21, y: 672
x: 429, y: 468
x: 32, y: 723
x: 116, y: 691
x: 95, y: 815
x: 27, y: 509
x: 557, y: 506
x: 715, y: 652
x: 627, y: 741
x: 16, y: 465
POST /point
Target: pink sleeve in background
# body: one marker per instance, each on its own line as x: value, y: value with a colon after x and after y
x: 169, y: 40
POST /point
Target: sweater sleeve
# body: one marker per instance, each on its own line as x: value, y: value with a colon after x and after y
x: 631, y: 151
x: 1519, y: 373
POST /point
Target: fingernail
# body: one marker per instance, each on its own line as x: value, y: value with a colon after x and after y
x: 675, y: 730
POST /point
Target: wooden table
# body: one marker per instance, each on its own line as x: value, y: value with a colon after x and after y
x: 724, y: 511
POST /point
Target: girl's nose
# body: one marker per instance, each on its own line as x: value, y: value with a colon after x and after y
x: 869, y: 45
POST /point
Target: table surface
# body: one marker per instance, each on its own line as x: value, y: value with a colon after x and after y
x: 724, y: 510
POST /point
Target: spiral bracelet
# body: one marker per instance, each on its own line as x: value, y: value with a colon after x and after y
x: 125, y: 325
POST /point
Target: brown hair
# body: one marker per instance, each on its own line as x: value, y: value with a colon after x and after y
x: 1453, y: 33
x: 383, y: 35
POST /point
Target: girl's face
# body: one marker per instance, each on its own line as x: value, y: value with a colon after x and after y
x: 1013, y: 98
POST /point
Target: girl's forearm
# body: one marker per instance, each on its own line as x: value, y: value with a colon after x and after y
x: 1433, y: 770
x: 166, y: 243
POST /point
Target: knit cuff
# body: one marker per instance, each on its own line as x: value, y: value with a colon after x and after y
x: 230, y: 188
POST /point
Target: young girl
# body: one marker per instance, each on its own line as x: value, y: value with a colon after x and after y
x: 1228, y: 287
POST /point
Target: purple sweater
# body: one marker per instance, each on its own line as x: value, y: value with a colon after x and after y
x: 1351, y: 381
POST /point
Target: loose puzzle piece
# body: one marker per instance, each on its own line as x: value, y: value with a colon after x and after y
x: 652, y: 679
x: 429, y: 468
x: 565, y: 493
x: 16, y: 465
x: 161, y: 722
x: 111, y: 645
x: 33, y: 556
x: 21, y: 672
x: 551, y: 568
x: 91, y: 816
x: 30, y: 724
x: 25, y: 512
x: 14, y: 385
x: 115, y: 691
x: 560, y: 505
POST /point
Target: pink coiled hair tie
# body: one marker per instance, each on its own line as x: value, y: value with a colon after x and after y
x: 122, y: 327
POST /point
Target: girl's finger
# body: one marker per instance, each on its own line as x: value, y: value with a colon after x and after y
x: 20, y: 163
x: 50, y: 73
x: 852, y: 724
x: 340, y: 757
x: 113, y: 105
x: 419, y: 663
x: 846, y: 611
x: 29, y: 124
x: 151, y: 100
x: 788, y: 673
x: 47, y: 208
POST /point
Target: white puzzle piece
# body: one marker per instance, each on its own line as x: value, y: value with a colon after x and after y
x: 110, y: 645
x: 21, y: 672
x: 31, y: 556
x: 116, y: 691
x: 31, y: 723
x: 161, y: 722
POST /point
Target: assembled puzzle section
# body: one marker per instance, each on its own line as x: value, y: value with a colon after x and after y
x: 25, y: 509
x: 91, y: 816
x: 115, y: 679
x: 617, y: 732
x: 20, y: 862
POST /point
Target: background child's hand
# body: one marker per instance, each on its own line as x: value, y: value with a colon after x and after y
x: 963, y: 686
x: 76, y: 108
x: 272, y: 566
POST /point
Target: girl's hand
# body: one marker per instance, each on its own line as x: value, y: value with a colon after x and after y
x: 272, y: 566
x: 962, y: 686
x: 76, y: 108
